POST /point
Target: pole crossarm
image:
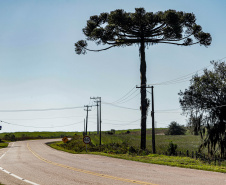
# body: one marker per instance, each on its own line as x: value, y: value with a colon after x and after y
x: 142, y: 86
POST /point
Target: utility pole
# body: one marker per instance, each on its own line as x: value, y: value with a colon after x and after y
x: 84, y: 125
x: 98, y: 125
x: 100, y: 121
x: 152, y: 115
x: 153, y: 120
x: 87, y: 109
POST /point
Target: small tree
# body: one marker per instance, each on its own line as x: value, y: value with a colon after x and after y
x: 194, y: 123
x: 119, y: 29
x: 206, y: 99
x: 175, y: 129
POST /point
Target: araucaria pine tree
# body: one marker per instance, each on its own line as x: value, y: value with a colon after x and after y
x: 119, y: 28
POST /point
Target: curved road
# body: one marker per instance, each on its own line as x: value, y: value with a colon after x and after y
x: 33, y: 162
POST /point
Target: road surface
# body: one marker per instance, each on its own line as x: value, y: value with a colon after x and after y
x: 33, y: 162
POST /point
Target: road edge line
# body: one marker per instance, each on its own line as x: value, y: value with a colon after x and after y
x: 13, y: 175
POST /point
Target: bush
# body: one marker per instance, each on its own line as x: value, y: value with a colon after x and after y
x: 132, y: 150
x: 172, y: 148
x: 176, y: 129
x: 109, y: 132
x: 9, y: 137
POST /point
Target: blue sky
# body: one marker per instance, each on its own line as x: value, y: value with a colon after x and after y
x: 39, y: 68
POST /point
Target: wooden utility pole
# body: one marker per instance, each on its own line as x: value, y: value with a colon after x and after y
x: 152, y: 115
x: 100, y: 121
x: 153, y: 120
x: 98, y: 125
x: 87, y: 109
x: 84, y: 125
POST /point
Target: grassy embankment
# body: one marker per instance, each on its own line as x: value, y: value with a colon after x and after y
x: 126, y: 146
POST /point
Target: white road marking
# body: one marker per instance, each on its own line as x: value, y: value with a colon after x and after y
x: 9, y: 173
x: 6, y: 152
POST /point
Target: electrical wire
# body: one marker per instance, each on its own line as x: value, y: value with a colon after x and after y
x: 128, y: 123
x: 49, y: 118
x: 120, y: 106
x: 183, y: 78
x: 34, y: 110
x: 124, y: 95
x: 39, y: 127
x: 129, y: 99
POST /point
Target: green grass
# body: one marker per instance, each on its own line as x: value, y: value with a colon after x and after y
x: 184, y: 142
x: 3, y: 145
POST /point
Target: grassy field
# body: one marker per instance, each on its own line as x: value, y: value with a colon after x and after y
x: 184, y: 142
x: 131, y: 137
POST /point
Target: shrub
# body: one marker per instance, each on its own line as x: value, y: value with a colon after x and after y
x: 176, y: 129
x: 9, y: 137
x: 109, y: 133
x: 172, y: 148
x: 132, y: 150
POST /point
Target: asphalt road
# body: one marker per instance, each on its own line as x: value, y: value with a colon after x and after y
x: 33, y: 162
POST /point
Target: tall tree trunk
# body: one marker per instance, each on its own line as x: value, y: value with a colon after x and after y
x: 143, y: 95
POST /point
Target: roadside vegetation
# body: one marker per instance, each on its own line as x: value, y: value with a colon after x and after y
x: 172, y: 150
x: 3, y: 144
x: 19, y: 136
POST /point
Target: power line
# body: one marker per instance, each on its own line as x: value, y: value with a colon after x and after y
x: 182, y: 78
x: 126, y: 98
x: 120, y: 106
x: 39, y: 127
x: 128, y: 123
x: 92, y: 117
x: 34, y: 110
x: 124, y: 95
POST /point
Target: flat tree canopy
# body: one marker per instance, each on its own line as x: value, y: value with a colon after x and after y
x: 120, y: 28
x: 205, y: 99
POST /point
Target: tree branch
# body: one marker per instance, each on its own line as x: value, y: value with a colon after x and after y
x: 181, y: 38
x: 156, y: 30
x: 100, y: 49
x: 177, y: 43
